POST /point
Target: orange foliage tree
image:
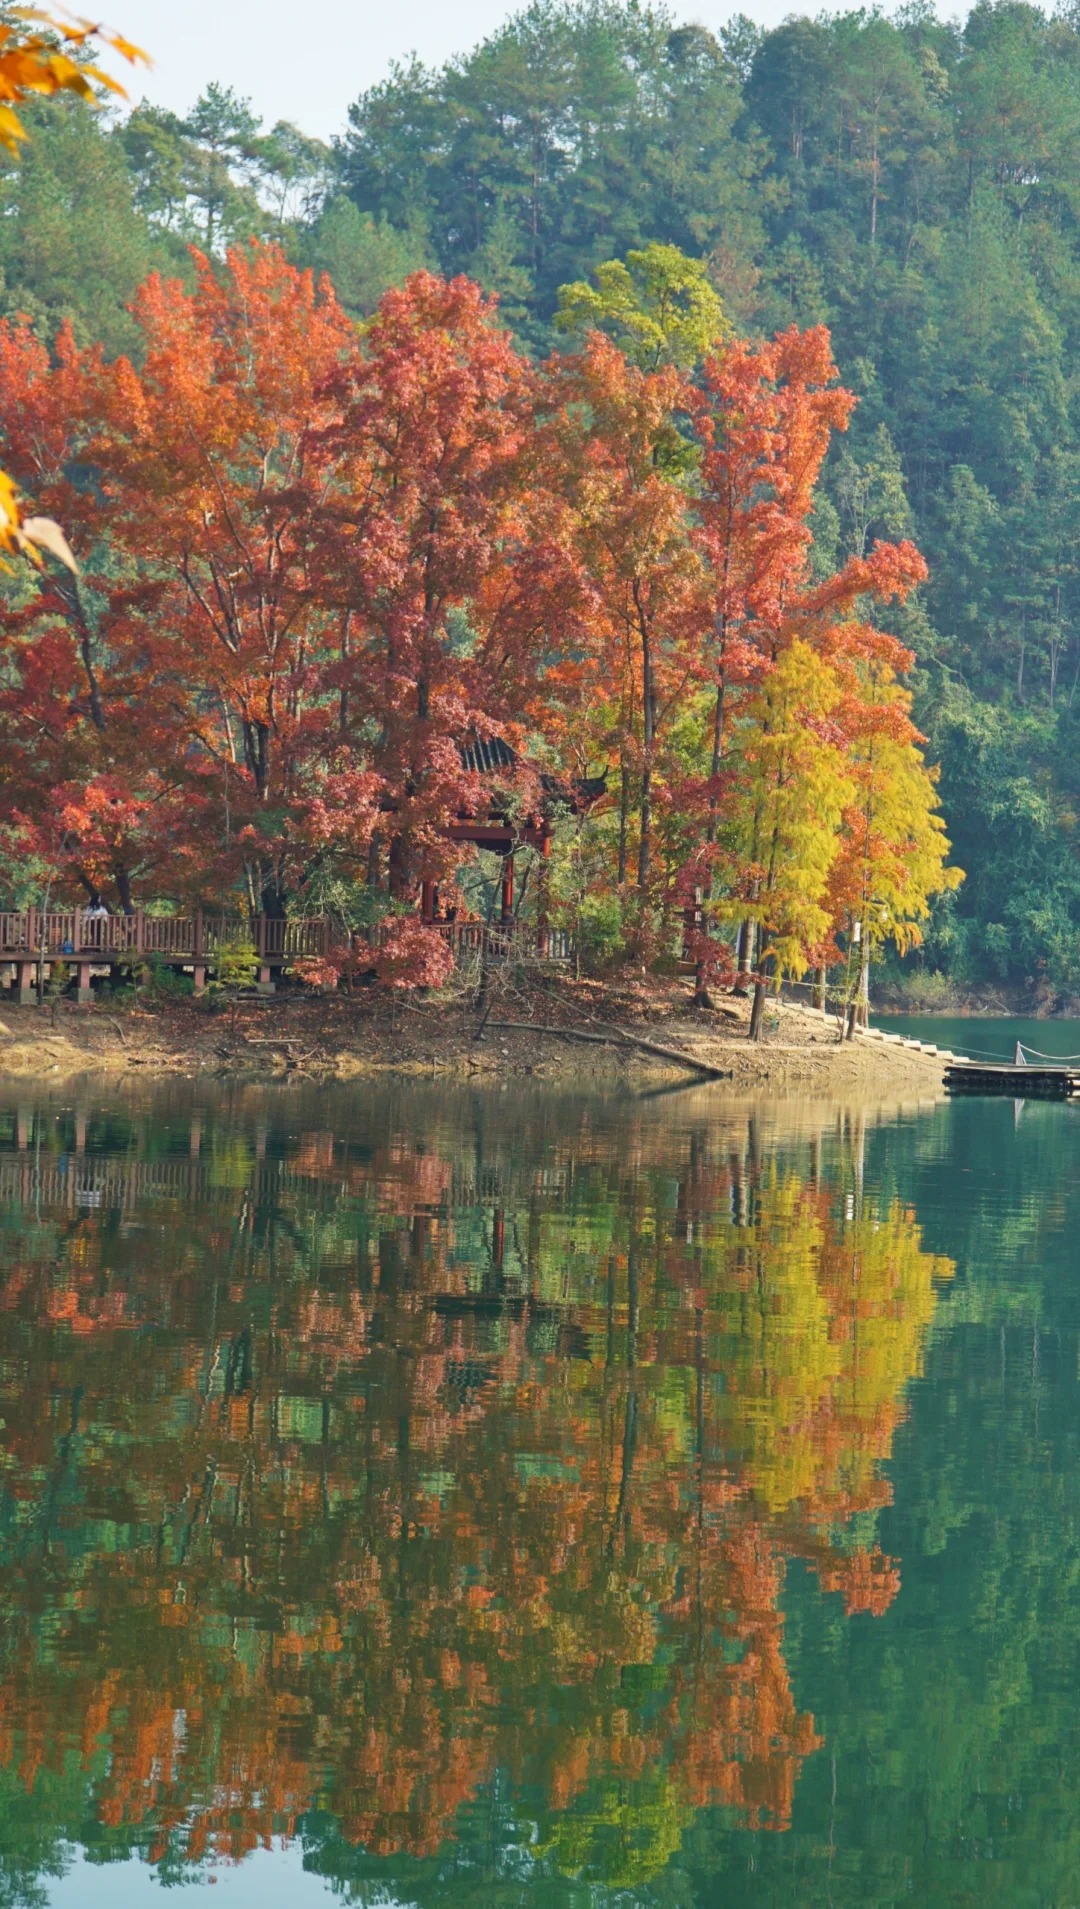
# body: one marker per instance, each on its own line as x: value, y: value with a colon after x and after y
x: 622, y: 469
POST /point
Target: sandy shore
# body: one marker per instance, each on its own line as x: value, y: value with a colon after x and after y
x: 579, y: 1032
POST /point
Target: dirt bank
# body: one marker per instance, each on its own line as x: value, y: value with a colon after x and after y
x: 576, y: 1031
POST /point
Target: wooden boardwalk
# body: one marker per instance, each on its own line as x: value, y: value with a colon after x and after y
x: 89, y: 943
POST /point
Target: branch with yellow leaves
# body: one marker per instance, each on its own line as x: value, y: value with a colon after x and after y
x: 39, y: 55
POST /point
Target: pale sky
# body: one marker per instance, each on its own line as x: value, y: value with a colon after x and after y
x: 308, y: 63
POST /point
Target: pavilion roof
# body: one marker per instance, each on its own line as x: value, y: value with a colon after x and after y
x: 486, y: 755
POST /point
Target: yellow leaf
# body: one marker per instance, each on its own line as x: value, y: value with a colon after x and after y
x: 129, y: 51
x: 48, y: 535
x: 10, y: 129
x: 9, y: 511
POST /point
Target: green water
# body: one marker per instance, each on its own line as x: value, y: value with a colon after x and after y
x: 449, y: 1497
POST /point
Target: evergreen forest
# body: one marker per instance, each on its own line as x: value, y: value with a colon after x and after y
x: 910, y: 183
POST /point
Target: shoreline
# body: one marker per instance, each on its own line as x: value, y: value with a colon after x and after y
x: 582, y: 1032
x: 991, y: 1009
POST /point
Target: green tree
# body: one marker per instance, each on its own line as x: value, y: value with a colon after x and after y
x: 72, y: 242
x: 363, y: 256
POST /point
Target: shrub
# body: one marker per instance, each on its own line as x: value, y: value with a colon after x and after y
x: 235, y: 966
x: 413, y: 955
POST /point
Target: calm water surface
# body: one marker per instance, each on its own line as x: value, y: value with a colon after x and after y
x: 988, y: 1037
x: 448, y: 1497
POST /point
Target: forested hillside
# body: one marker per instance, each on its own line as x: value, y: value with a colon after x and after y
x: 915, y: 185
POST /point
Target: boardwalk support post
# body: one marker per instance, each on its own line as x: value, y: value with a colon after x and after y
x: 265, y: 983
x: 85, y: 993
x: 198, y: 949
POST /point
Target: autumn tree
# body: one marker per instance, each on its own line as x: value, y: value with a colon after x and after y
x: 88, y: 785
x: 211, y: 481
x: 766, y: 415
x: 793, y: 788
x: 892, y: 855
x: 441, y: 566
x: 658, y: 306
x: 624, y: 465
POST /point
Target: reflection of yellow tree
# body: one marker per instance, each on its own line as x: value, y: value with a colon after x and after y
x: 781, y: 1362
x: 829, y: 1328
x: 470, y: 1487
x: 880, y: 1287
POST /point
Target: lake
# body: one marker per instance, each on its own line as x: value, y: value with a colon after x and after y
x: 986, y: 1036
x: 536, y: 1499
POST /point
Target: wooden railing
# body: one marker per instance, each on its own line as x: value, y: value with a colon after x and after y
x: 503, y: 941
x: 69, y: 933
x: 294, y: 940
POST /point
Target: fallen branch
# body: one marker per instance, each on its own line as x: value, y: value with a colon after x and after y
x: 617, y: 1038
x: 486, y: 1020
x: 286, y: 1046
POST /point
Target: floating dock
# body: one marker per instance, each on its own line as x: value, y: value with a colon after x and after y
x: 1018, y: 1081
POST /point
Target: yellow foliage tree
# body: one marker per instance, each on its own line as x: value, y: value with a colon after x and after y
x: 893, y: 850
x: 659, y: 306
x: 794, y: 786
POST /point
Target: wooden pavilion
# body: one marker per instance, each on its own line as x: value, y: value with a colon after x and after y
x: 497, y: 830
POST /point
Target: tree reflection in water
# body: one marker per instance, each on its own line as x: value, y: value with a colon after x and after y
x: 345, y: 1472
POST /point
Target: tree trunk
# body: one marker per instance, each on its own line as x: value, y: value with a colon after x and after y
x: 624, y: 817
x: 757, y: 1012
x: 701, y: 991
x: 648, y: 716
x: 273, y: 898
x: 761, y: 983
x: 744, y: 951
x: 862, y: 1003
x: 397, y: 871
x: 645, y: 841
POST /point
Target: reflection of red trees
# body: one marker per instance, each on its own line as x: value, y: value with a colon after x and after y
x: 392, y: 1521
x: 743, y: 1714
x: 868, y: 1581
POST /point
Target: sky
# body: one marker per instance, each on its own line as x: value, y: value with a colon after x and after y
x: 264, y: 1880
x: 308, y: 63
